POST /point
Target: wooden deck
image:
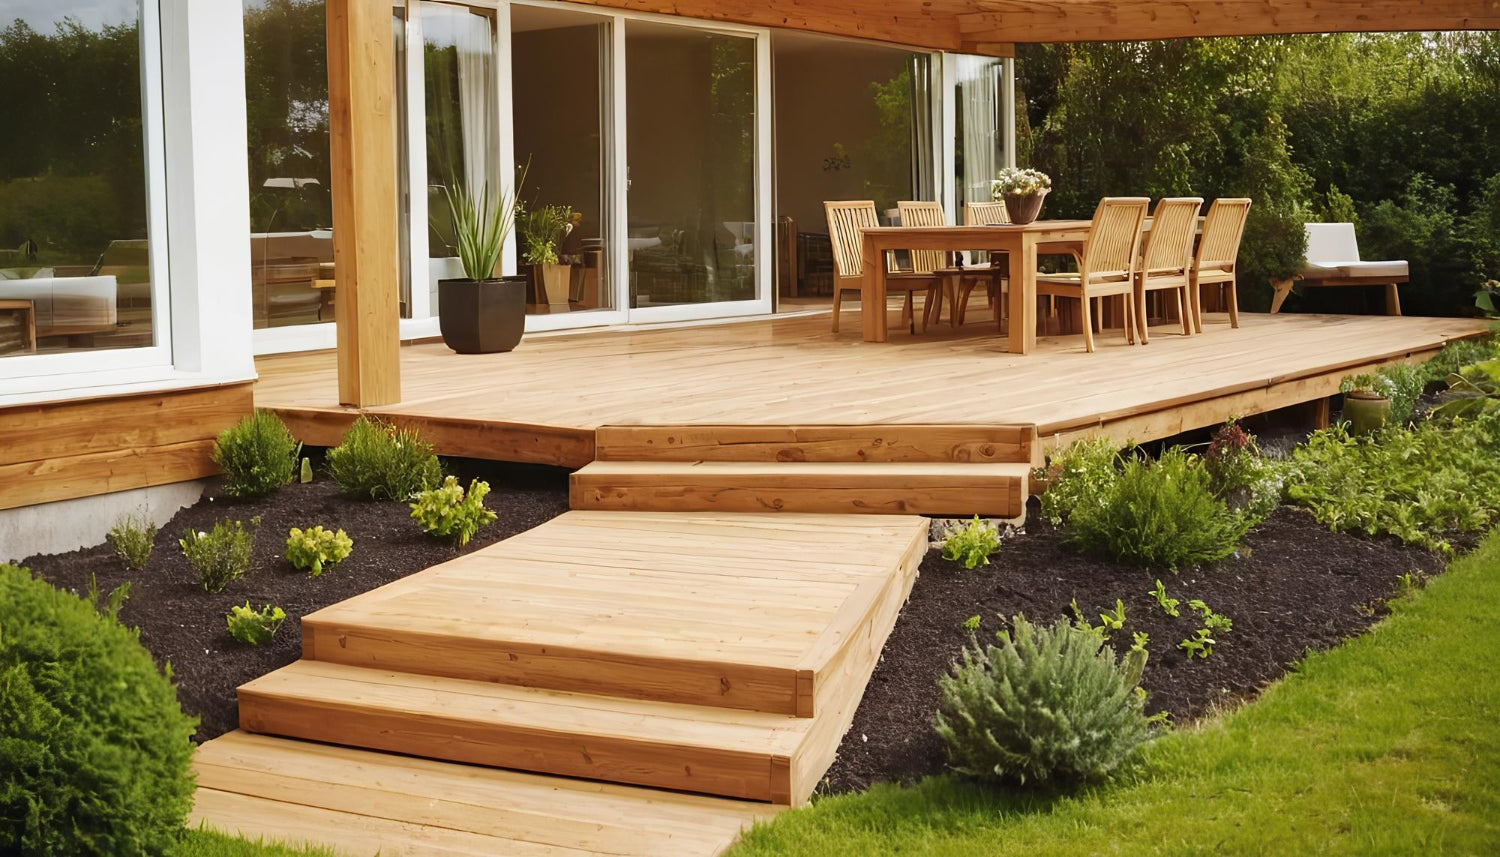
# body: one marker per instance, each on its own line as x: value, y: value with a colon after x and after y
x: 721, y: 654
x: 548, y: 400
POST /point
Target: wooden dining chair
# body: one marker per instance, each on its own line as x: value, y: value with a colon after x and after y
x: 990, y: 214
x: 957, y: 282
x: 1106, y: 266
x: 846, y: 220
x: 1214, y: 263
x: 1166, y: 256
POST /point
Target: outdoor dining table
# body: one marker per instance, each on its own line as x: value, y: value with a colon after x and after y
x: 1021, y: 242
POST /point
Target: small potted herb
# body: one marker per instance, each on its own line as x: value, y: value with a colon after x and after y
x: 481, y: 313
x: 542, y: 229
x: 1023, y: 191
x: 1367, y: 403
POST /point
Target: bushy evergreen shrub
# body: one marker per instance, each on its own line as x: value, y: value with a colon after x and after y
x: 381, y: 462
x: 221, y: 554
x: 1048, y: 704
x: 258, y: 454
x: 132, y: 538
x: 1159, y: 513
x: 94, y: 749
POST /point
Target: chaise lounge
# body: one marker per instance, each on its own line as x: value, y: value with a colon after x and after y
x: 1333, y: 260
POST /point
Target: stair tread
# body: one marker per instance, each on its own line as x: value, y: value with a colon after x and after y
x: 864, y: 469
x: 361, y: 802
x: 592, y: 717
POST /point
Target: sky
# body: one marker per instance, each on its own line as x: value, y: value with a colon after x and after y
x: 43, y: 15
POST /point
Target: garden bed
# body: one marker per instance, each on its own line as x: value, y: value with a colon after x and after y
x: 1294, y: 587
x: 182, y: 624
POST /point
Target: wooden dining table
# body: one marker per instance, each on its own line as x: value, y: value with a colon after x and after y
x: 1021, y: 242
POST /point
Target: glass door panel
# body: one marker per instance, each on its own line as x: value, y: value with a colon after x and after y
x: 979, y: 151
x: 462, y: 122
x: 691, y: 145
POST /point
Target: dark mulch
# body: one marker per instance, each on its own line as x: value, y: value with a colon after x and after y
x: 184, y: 625
x: 1295, y: 587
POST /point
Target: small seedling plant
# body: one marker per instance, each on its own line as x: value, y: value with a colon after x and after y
x: 221, y: 554
x: 1200, y: 645
x: 254, y: 627
x: 1168, y: 605
x: 1113, y: 620
x: 972, y: 544
x: 132, y: 538
x: 451, y: 513
x: 108, y: 605
x: 314, y: 549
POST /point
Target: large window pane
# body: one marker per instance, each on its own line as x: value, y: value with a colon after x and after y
x: 979, y: 147
x: 691, y: 149
x: 459, y: 76
x: 75, y: 267
x: 558, y: 71
x: 291, y: 209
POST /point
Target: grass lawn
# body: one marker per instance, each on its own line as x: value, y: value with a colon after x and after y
x: 206, y: 843
x: 1388, y: 744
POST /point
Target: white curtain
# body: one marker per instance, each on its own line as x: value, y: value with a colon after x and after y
x: 475, y: 42
x: 979, y: 99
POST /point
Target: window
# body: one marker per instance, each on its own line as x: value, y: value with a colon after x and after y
x: 78, y: 271
x: 979, y: 150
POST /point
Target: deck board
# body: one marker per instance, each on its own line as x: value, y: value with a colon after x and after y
x: 544, y: 400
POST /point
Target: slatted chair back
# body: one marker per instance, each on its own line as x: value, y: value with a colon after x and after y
x: 985, y: 214
x: 1222, y: 230
x: 846, y: 219
x: 1168, y: 246
x: 923, y: 214
x: 1114, y: 238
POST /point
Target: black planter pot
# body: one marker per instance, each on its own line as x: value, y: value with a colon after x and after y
x: 482, y: 316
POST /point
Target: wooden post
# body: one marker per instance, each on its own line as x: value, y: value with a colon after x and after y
x: 361, y: 132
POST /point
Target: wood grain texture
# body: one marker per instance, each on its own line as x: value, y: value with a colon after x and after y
x: 362, y: 802
x: 66, y: 450
x: 815, y: 443
x: 1117, y: 20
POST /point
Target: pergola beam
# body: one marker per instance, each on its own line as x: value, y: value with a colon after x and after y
x: 1125, y: 20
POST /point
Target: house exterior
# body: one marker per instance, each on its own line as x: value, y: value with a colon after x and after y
x: 199, y: 182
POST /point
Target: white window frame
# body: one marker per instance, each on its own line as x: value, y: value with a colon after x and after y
x: 39, y: 372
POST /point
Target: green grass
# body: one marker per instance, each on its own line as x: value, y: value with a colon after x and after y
x: 1389, y: 744
x: 206, y: 843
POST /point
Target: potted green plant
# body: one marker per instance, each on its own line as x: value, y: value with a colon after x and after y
x: 542, y: 228
x: 481, y: 313
x: 1367, y: 405
x: 1023, y: 191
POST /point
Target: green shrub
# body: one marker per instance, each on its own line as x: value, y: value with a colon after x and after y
x: 447, y: 512
x: 381, y: 462
x: 255, y: 627
x: 258, y: 454
x: 313, y: 549
x: 1079, y: 477
x: 1048, y: 704
x: 1240, y: 475
x: 1418, y: 484
x: 94, y: 750
x: 1456, y: 355
x: 221, y: 554
x: 972, y: 543
x: 132, y: 537
x: 1159, y: 513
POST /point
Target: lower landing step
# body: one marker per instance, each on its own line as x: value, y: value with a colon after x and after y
x: 358, y: 802
x: 919, y: 488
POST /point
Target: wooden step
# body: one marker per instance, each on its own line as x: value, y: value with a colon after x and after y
x: 360, y: 803
x: 891, y: 443
x: 935, y: 488
x: 719, y: 751
x: 769, y: 612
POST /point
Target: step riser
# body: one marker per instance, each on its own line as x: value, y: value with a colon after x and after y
x: 740, y: 686
x: 906, y: 444
x: 1004, y: 498
x: 707, y: 771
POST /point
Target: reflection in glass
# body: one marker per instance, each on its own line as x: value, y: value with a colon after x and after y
x: 462, y: 122
x: 558, y: 64
x: 691, y: 147
x: 74, y: 260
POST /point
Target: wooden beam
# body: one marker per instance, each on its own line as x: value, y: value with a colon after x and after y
x: 1121, y: 20
x: 361, y: 131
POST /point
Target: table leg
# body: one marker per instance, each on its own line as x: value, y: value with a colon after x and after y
x: 1022, y: 336
x: 872, y: 294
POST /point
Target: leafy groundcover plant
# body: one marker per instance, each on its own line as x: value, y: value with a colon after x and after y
x: 449, y: 512
x: 254, y: 627
x: 1078, y: 477
x: 380, y: 462
x: 1046, y: 704
x: 94, y: 750
x: 972, y: 543
x: 314, y: 549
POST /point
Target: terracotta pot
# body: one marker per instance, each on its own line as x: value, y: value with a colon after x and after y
x: 482, y: 316
x: 1024, y: 208
x: 1365, y: 411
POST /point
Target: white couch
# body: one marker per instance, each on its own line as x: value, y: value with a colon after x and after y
x: 1333, y: 260
x: 66, y: 305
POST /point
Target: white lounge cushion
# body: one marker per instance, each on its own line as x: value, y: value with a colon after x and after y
x: 1375, y: 269
x: 1333, y: 253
